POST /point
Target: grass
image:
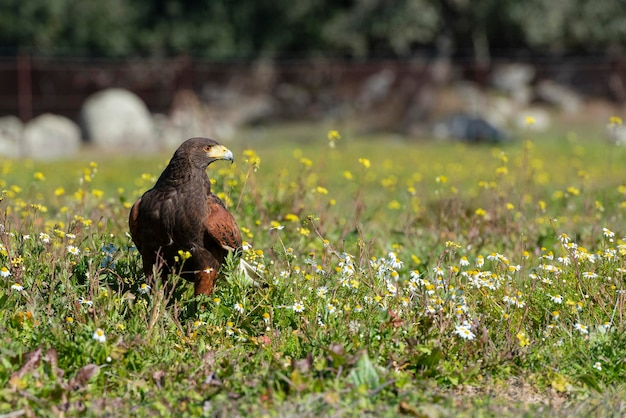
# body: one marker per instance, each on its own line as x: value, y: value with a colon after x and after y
x: 403, y: 278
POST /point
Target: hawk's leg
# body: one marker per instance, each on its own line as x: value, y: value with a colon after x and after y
x: 208, y: 268
x: 205, y: 280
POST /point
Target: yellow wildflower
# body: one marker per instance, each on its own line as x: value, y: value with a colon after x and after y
x: 184, y: 255
x: 291, y: 217
x: 394, y: 205
x: 252, y: 158
x: 522, y: 338
x: 333, y: 136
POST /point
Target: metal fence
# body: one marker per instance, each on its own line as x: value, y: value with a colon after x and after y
x: 32, y: 85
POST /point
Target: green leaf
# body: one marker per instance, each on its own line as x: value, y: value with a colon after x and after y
x: 590, y: 381
x: 365, y: 373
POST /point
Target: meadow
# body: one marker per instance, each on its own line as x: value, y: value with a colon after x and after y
x: 399, y: 277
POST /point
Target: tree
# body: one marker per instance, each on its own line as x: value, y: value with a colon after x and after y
x: 57, y: 27
x: 286, y: 28
x: 373, y: 27
x: 568, y: 25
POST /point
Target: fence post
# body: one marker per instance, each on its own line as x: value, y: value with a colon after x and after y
x: 24, y: 87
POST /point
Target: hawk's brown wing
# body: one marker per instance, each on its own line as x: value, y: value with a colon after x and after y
x: 133, y: 223
x: 221, y: 225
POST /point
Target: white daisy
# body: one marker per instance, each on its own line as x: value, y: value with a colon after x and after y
x: 73, y: 250
x: 99, y: 335
x: 464, y: 332
x: 583, y: 329
x: 298, y: 306
x: 558, y: 299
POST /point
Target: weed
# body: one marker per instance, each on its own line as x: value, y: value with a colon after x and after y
x: 391, y: 277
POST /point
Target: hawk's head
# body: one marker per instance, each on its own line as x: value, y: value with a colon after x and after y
x: 201, y: 152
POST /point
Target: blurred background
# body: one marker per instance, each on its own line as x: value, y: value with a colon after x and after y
x: 147, y: 74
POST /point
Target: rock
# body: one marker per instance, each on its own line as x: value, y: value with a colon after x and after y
x: 51, y: 136
x: 188, y: 118
x: 11, y: 129
x: 251, y: 109
x: 117, y: 118
x: 500, y: 110
x: 559, y: 95
x: 473, y: 98
x: 515, y: 80
x: 470, y: 129
x: 523, y: 95
x: 376, y: 87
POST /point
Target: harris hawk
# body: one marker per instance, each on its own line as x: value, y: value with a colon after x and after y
x: 180, y: 214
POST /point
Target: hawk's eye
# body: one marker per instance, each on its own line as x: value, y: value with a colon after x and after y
x: 207, y: 148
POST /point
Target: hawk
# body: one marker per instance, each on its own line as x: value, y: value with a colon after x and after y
x: 181, y: 216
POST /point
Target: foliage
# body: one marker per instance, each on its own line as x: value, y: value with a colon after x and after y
x: 412, y: 278
x: 285, y: 29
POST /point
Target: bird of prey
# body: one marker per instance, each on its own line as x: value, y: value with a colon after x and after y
x: 181, y: 216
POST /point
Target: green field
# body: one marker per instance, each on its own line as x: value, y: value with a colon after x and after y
x: 401, y: 277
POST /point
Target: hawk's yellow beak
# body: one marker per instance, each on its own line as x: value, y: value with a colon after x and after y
x: 220, y: 152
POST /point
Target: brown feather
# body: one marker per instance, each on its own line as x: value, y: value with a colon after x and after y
x: 221, y: 226
x: 133, y: 223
